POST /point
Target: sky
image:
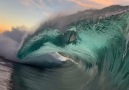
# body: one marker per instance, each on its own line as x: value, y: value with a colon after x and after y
x: 29, y: 13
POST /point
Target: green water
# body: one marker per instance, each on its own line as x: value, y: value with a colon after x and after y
x: 99, y: 53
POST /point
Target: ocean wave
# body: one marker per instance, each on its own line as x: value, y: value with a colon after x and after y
x: 89, y: 55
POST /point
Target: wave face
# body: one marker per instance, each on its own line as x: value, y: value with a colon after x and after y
x: 89, y: 55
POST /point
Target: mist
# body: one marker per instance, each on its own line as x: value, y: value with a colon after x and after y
x: 10, y: 42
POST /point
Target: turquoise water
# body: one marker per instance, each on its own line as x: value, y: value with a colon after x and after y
x: 97, y: 57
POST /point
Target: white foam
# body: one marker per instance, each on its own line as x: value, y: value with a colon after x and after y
x: 58, y: 56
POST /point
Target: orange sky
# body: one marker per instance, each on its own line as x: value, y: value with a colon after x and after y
x: 84, y: 3
x: 4, y: 28
x: 31, y: 12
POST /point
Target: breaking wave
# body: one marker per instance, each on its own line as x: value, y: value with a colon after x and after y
x: 87, y: 55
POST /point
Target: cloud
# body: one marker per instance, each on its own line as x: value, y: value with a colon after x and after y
x: 10, y: 42
x: 33, y: 3
x: 8, y: 47
x: 16, y: 33
x: 3, y: 27
x: 51, y: 7
x: 82, y: 3
x: 45, y: 4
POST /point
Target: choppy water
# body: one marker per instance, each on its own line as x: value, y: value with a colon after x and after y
x: 97, y: 57
x: 5, y: 74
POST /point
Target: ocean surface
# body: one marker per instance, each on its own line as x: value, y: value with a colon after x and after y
x: 5, y: 74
